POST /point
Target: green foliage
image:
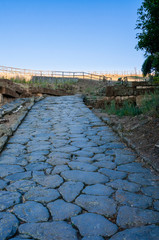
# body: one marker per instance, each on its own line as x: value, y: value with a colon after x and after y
x: 147, y: 66
x: 128, y: 109
x: 148, y: 24
x: 149, y: 104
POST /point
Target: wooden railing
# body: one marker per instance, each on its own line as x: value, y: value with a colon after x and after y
x: 28, y: 73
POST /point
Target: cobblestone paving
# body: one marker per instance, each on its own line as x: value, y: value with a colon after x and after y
x: 65, y: 175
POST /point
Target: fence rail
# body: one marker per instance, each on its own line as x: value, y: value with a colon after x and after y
x: 9, y: 72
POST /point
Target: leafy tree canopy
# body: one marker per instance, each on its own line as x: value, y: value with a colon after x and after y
x: 148, y: 24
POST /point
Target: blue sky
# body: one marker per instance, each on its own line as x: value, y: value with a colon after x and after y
x: 75, y: 35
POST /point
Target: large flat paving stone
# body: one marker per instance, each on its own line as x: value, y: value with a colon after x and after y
x: 85, y: 177
x: 97, y: 204
x: 124, y: 159
x: 133, y: 199
x: 50, y: 181
x: 51, y: 230
x: 93, y: 238
x: 3, y: 184
x: 8, y: 225
x: 99, y: 190
x: 139, y: 233
x: 129, y: 217
x: 82, y: 166
x: 8, y: 199
x: 152, y: 191
x: 21, y: 186
x: 70, y: 190
x: 143, y: 179
x: 61, y: 210
x: 133, y: 167
x: 105, y: 164
x: 94, y: 224
x: 156, y: 205
x: 37, y: 166
x: 125, y: 185
x: 18, y: 176
x: 113, y: 174
x: 31, y: 212
x: 6, y: 170
x: 41, y: 194
x: 60, y: 168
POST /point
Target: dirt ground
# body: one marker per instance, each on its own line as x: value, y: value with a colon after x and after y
x: 142, y: 131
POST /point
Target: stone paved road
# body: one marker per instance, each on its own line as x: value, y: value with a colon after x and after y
x: 65, y: 175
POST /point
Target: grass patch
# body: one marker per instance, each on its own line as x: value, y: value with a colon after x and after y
x: 149, y: 105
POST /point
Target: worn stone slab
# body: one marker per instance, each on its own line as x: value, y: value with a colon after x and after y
x: 70, y: 190
x: 37, y: 166
x: 41, y: 194
x: 12, y: 159
x: 143, y: 179
x: 105, y: 164
x: 98, y: 189
x: 97, y: 204
x: 129, y: 217
x: 152, y: 191
x: 21, y: 186
x: 84, y: 159
x: 18, y: 176
x: 84, y: 153
x: 61, y: 210
x: 6, y: 170
x: 156, y: 205
x: 8, y: 225
x: 96, y: 225
x: 58, y: 161
x: 93, y: 238
x: 102, y: 157
x: 51, y: 230
x: 31, y: 212
x: 82, y: 166
x: 3, y: 184
x: 138, y: 233
x: 125, y: 185
x: 112, y: 174
x: 133, y: 168
x: 8, y: 199
x: 60, y: 168
x: 124, y: 159
x: 85, y: 177
x: 133, y: 199
x: 50, y: 181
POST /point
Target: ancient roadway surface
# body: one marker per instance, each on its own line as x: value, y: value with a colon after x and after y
x: 65, y: 175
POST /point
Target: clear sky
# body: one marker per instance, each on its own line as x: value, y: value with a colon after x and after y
x: 75, y: 35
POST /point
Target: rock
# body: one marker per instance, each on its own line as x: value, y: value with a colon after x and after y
x: 3, y: 184
x: 143, y: 179
x: 113, y: 174
x: 51, y: 230
x: 93, y: 238
x: 152, y: 191
x: 82, y: 166
x: 37, y: 166
x: 125, y: 185
x: 105, y: 164
x: 146, y: 233
x: 61, y: 210
x: 123, y: 159
x: 31, y: 212
x: 133, y: 167
x: 156, y: 205
x: 8, y: 225
x: 50, y: 181
x: 70, y: 190
x: 96, y: 225
x: 21, y: 186
x: 97, y: 204
x: 133, y: 199
x: 8, y: 199
x: 60, y: 168
x: 129, y: 217
x: 18, y: 176
x: 5, y: 170
x: 98, y: 189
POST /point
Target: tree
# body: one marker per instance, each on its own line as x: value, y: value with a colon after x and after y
x: 148, y: 37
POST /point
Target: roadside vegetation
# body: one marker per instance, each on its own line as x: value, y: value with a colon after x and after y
x: 149, y: 105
